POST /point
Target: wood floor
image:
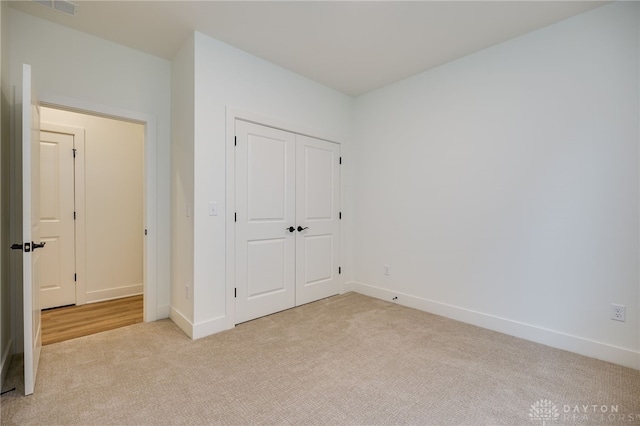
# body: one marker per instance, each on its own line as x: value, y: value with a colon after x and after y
x: 69, y: 322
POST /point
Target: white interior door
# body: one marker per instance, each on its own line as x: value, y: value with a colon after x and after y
x: 287, y: 220
x: 57, y: 263
x: 265, y: 210
x: 317, y: 219
x: 30, y: 229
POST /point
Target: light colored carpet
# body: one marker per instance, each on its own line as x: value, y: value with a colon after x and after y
x: 348, y: 359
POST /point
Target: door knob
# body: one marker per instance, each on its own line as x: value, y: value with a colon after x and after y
x: 290, y: 229
x: 36, y: 245
x: 300, y: 228
x: 16, y: 246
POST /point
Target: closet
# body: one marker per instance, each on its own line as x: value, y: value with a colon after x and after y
x: 287, y: 220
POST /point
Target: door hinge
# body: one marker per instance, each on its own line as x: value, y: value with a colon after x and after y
x: 235, y: 217
x: 235, y: 141
x: 74, y: 152
x: 339, y: 269
x: 74, y: 215
x: 235, y: 292
x: 145, y: 232
x: 340, y: 215
x: 75, y: 277
x: 340, y: 160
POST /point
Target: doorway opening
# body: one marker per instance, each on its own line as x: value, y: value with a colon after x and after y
x: 70, y: 322
x: 92, y: 217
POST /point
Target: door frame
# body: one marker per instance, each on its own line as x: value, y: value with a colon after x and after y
x: 233, y: 114
x: 150, y: 248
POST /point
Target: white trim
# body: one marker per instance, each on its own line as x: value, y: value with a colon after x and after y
x: 5, y: 361
x: 233, y: 114
x: 114, y: 293
x: 274, y: 123
x: 553, y: 338
x: 182, y: 322
x: 230, y: 203
x: 163, y: 312
x: 150, y: 183
x: 209, y: 327
x: 81, y: 219
x: 347, y: 287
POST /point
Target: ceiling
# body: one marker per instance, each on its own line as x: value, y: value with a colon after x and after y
x: 353, y: 47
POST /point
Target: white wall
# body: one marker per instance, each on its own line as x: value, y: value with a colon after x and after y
x: 227, y: 77
x: 113, y: 203
x: 70, y: 64
x: 518, y: 203
x: 182, y: 163
x: 502, y: 188
x: 6, y: 335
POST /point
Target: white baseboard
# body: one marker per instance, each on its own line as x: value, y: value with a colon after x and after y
x: 201, y: 329
x: 182, y: 322
x: 163, y: 312
x: 4, y: 363
x: 556, y: 339
x: 209, y: 327
x: 114, y: 293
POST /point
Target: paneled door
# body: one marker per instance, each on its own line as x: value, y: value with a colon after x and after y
x: 265, y: 215
x: 286, y: 220
x: 57, y: 207
x: 317, y: 219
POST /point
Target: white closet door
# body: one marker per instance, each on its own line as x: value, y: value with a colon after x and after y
x: 57, y: 262
x: 265, y: 209
x: 317, y: 217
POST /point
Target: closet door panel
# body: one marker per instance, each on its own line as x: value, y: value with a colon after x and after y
x: 317, y: 216
x: 265, y: 208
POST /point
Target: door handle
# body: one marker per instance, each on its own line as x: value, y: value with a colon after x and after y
x: 300, y: 228
x: 36, y: 245
x: 290, y: 229
x: 27, y: 247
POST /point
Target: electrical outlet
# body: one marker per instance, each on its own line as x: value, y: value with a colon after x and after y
x: 387, y: 270
x: 618, y: 312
